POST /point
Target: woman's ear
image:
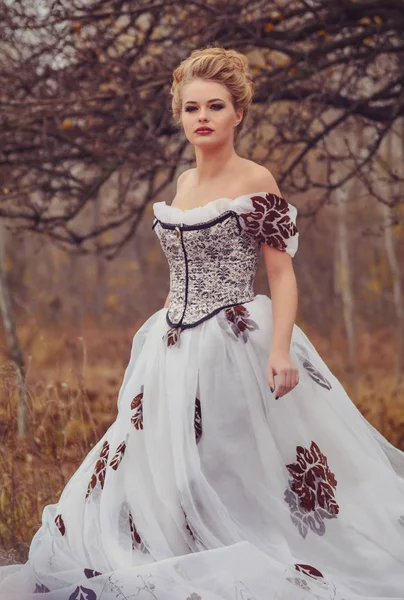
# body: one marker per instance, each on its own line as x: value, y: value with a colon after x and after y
x: 239, y: 114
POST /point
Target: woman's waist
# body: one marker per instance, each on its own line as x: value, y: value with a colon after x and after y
x: 190, y: 309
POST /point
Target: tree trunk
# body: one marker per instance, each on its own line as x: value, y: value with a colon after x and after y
x: 391, y: 252
x: 345, y: 281
x: 13, y: 345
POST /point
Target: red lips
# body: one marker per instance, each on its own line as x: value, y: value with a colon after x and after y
x: 203, y: 129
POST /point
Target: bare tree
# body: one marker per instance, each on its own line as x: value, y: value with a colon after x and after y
x: 84, y: 106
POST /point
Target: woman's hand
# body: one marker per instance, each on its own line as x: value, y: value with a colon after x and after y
x: 281, y: 365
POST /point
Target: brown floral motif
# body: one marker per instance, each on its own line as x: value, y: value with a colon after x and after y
x: 137, y: 406
x: 270, y: 221
x: 311, y: 492
x: 99, y: 469
x: 136, y: 539
x: 187, y: 525
x: 308, y: 570
x: 310, y: 368
x: 81, y: 593
x: 316, y: 375
x: 89, y: 573
x: 116, y: 460
x: 198, y: 420
x: 172, y: 336
x: 40, y: 588
x: 60, y: 524
x: 237, y: 318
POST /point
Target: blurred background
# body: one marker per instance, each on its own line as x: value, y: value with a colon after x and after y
x: 88, y: 143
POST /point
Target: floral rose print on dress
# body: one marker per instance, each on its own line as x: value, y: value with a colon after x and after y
x: 137, y: 542
x: 137, y: 406
x: 136, y: 539
x: 198, y: 420
x: 172, y: 336
x: 311, y: 492
x: 191, y: 533
x: 270, y: 221
x: 236, y: 319
x: 99, y: 469
x: 83, y: 593
x: 310, y: 368
x: 60, y: 524
x: 308, y: 570
x: 40, y: 588
x: 310, y: 579
x: 116, y: 460
x: 316, y: 375
x: 90, y: 573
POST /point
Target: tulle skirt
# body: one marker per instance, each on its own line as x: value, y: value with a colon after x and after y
x: 206, y: 487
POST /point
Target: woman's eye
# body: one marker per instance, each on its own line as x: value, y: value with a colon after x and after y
x: 216, y: 106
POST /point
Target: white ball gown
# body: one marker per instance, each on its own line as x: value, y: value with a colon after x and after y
x: 206, y: 487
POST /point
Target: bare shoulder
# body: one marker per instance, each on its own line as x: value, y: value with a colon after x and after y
x: 261, y: 179
x: 183, y: 177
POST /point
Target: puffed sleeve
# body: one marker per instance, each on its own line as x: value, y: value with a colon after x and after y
x: 272, y: 221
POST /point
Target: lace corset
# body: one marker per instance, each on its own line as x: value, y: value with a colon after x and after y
x: 213, y: 250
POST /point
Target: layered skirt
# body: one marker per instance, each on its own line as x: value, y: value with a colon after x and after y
x: 206, y: 487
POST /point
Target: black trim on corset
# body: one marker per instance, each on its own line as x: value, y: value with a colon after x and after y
x: 204, y: 225
x: 206, y: 317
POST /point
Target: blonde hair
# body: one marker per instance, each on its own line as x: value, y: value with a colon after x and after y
x: 228, y: 67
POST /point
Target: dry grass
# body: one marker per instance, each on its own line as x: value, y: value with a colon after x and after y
x: 73, y: 386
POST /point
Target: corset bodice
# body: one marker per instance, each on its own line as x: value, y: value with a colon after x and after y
x: 213, y: 251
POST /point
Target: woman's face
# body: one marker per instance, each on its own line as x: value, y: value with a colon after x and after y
x: 207, y: 103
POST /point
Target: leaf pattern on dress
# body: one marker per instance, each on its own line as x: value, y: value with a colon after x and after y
x: 270, y: 221
x: 237, y: 318
x: 117, y: 458
x: 310, y: 368
x: 308, y: 570
x: 99, y: 469
x: 198, y: 421
x: 311, y: 492
x: 137, y: 406
x: 187, y: 525
x: 89, y: 573
x: 315, y: 374
x: 136, y: 539
x: 83, y: 593
x: 60, y: 524
x: 172, y: 336
x: 40, y: 588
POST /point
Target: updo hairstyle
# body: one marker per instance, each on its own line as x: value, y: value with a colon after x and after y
x: 228, y: 67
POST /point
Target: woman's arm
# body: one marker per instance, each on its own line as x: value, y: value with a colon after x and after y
x: 284, y: 298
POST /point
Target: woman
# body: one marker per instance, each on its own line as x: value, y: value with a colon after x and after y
x: 237, y: 466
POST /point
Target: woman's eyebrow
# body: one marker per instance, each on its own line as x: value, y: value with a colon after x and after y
x: 211, y: 100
